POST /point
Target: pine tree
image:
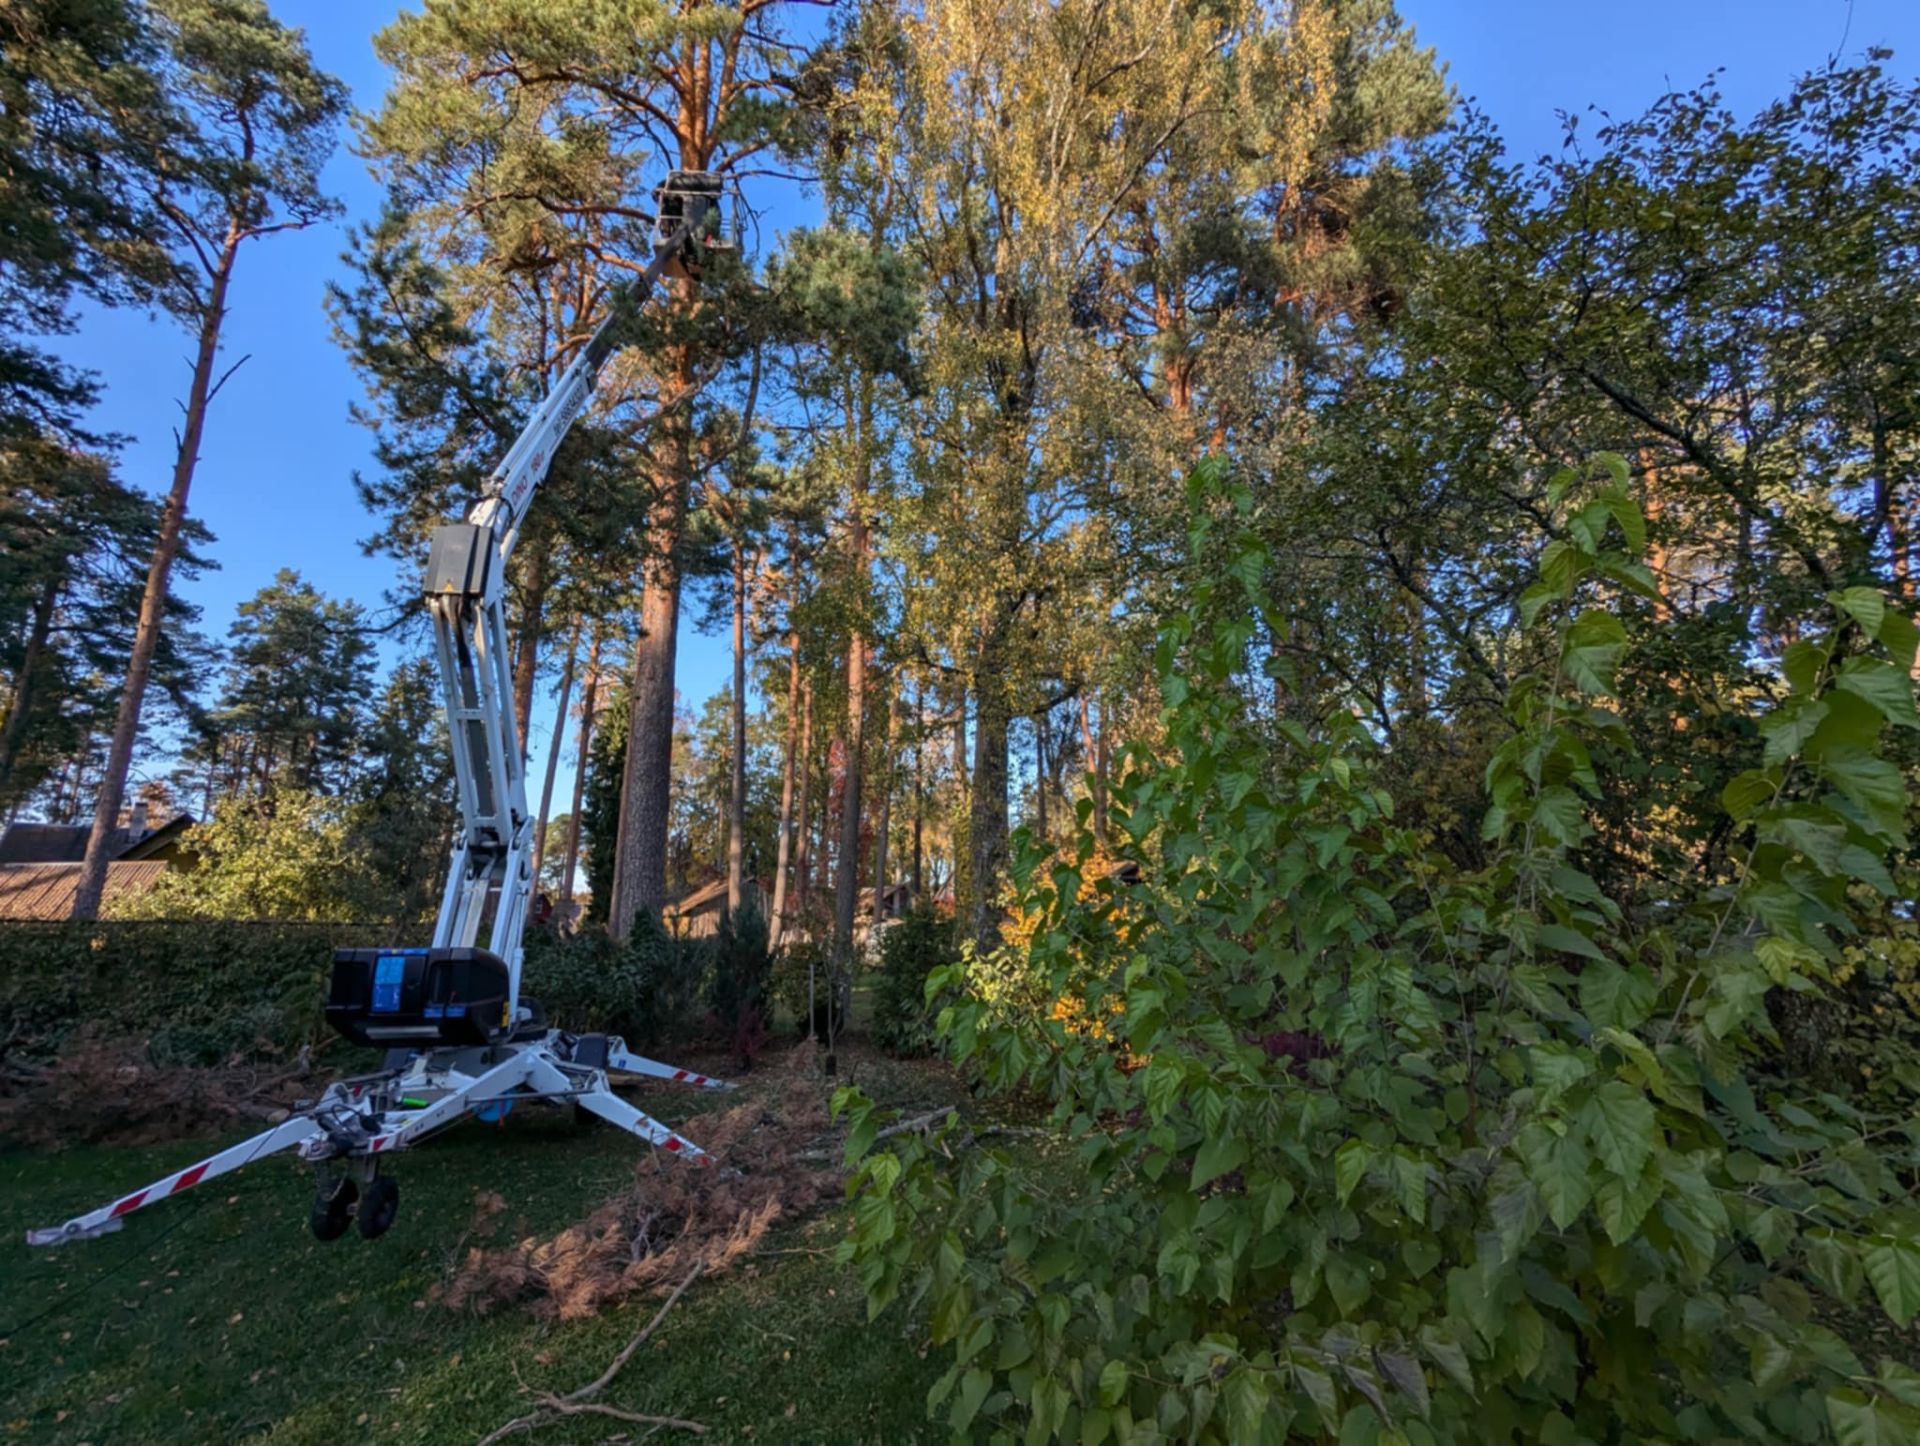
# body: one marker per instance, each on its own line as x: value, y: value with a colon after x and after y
x: 254, y: 123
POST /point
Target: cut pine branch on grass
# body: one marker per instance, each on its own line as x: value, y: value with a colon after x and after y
x: 580, y: 1402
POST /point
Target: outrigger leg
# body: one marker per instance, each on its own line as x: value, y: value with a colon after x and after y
x: 357, y: 1123
x: 297, y: 1131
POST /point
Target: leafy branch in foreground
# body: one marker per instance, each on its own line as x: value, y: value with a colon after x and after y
x: 1382, y: 1150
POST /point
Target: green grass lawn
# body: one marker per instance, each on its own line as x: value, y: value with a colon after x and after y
x: 218, y: 1317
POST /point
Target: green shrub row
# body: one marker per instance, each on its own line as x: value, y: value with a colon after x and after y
x: 199, y: 993
x: 203, y: 993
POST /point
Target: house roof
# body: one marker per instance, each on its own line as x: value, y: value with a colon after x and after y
x: 43, y: 843
x: 155, y: 840
x: 707, y: 896
x: 66, y: 843
x: 45, y: 891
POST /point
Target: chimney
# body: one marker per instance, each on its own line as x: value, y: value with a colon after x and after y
x: 137, y: 825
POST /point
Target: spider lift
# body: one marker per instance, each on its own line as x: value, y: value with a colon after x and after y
x: 459, y: 1037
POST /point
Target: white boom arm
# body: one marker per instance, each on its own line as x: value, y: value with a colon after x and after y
x: 356, y: 1124
x: 466, y: 591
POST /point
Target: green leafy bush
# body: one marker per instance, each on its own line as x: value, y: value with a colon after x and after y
x: 910, y: 950
x: 800, y: 973
x: 653, y: 987
x: 741, y: 966
x: 1399, y: 1152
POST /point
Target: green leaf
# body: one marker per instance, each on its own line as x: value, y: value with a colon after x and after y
x: 1874, y: 784
x: 1747, y: 792
x: 1349, y: 1282
x: 1772, y: 1231
x: 1899, y: 636
x: 1247, y: 1399
x: 1865, y: 605
x: 1801, y: 663
x: 1893, y: 1265
x: 1419, y: 1255
x: 1884, y: 686
x: 1570, y: 941
x: 1319, y: 1388
x: 1900, y: 1382
x: 973, y: 1390
x: 1560, y: 816
x: 1621, y: 1126
x: 1833, y: 1261
x: 1113, y: 1382
x: 1556, y: 1068
x: 1615, y: 996
x: 1218, y: 1156
x: 1592, y: 655
x: 1557, y: 1165
x: 1403, y: 1373
x: 1349, y: 1167
x: 1787, y: 729
x: 1449, y: 1356
x: 1772, y: 1361
x: 1535, y: 598
x: 1858, y: 1421
x: 1162, y: 1084
x: 1410, y: 1174
x: 1626, y: 512
x: 1622, y: 1203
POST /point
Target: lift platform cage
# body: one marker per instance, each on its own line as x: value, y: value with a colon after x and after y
x: 720, y: 225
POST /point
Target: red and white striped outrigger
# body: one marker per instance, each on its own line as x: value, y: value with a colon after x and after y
x: 358, y: 1121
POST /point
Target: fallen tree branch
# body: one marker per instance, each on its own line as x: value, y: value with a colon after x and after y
x: 920, y: 1124
x: 577, y: 1403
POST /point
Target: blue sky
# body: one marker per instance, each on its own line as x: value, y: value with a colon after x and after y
x: 275, y: 478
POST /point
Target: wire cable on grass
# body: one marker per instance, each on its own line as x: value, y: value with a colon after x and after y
x: 102, y: 1278
x: 66, y: 1301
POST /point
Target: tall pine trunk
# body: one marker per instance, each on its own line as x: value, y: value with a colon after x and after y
x: 847, y: 888
x: 784, y: 849
x: 1040, y: 776
x: 153, y: 602
x: 640, y: 855
x: 737, y: 791
x: 526, y: 657
x: 919, y: 790
x: 553, y: 753
x: 588, y: 698
x: 802, y: 839
x: 884, y: 822
x: 987, y: 815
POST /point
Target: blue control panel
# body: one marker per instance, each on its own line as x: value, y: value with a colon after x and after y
x: 388, y: 975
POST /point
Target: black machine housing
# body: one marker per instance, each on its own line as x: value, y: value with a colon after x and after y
x: 422, y: 997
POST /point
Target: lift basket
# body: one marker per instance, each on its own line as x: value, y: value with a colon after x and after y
x: 671, y: 199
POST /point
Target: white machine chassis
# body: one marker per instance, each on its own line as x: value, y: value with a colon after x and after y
x: 358, y: 1122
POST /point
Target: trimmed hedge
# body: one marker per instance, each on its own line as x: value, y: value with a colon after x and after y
x: 204, y: 993
x: 199, y: 993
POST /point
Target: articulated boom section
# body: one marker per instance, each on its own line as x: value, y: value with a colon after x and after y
x: 460, y: 1039
x: 491, y: 854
